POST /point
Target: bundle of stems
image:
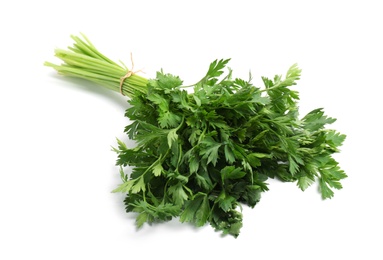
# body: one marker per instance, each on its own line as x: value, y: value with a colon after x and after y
x: 83, y: 60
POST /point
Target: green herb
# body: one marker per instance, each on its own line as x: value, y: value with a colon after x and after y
x: 201, y: 155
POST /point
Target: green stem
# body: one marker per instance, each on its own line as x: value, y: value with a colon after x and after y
x: 83, y: 60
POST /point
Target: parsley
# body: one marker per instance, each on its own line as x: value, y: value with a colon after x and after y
x: 199, y: 156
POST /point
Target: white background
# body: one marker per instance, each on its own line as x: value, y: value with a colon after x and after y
x: 57, y: 168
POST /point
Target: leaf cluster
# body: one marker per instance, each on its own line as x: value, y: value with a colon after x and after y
x: 201, y: 155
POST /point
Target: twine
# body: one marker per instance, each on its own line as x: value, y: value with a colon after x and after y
x: 128, y: 74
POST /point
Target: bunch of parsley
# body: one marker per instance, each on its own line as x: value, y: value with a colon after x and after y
x: 199, y: 156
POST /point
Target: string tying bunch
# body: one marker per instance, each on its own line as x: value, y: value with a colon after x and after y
x: 128, y: 74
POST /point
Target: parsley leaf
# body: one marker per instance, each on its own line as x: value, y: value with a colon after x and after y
x: 222, y: 142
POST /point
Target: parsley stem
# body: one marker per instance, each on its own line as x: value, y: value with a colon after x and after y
x: 84, y: 61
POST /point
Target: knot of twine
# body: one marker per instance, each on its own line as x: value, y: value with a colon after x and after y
x: 128, y: 74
